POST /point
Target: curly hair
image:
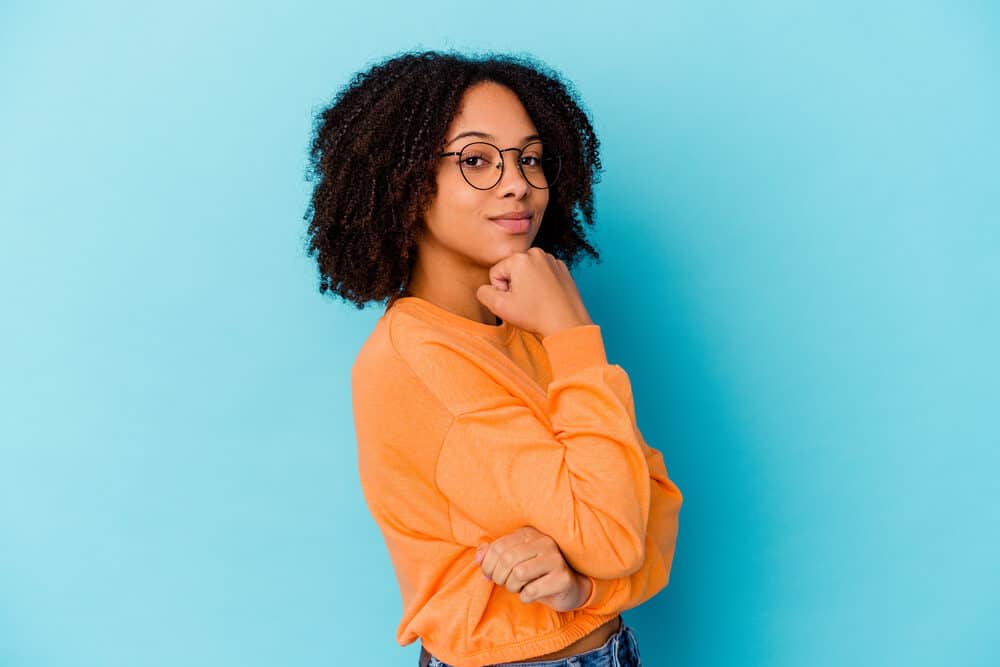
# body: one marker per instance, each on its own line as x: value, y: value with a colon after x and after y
x: 374, y: 152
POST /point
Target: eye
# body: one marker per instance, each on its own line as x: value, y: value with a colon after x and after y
x: 476, y: 160
x: 531, y: 161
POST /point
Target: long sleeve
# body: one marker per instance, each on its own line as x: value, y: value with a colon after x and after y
x: 577, y: 472
x: 611, y: 596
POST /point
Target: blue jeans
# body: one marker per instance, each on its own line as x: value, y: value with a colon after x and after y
x: 620, y: 650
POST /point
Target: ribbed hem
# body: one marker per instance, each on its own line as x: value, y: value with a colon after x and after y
x: 578, y: 628
x: 573, y: 349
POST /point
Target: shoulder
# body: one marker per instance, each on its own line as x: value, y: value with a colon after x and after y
x: 456, y: 369
x: 393, y: 408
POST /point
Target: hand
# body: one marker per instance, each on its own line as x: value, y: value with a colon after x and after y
x: 530, y: 563
x: 534, y: 291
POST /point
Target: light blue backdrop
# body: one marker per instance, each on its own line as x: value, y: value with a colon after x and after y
x: 800, y: 220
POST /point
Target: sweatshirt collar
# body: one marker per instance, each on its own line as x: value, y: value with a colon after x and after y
x: 431, y: 312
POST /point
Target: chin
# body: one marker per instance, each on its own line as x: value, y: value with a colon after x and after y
x: 516, y: 244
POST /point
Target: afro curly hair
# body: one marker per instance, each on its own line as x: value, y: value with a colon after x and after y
x: 373, y: 155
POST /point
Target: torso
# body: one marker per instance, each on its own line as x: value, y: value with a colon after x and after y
x: 599, y: 635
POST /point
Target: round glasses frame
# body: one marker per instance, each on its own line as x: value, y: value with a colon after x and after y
x: 554, y: 161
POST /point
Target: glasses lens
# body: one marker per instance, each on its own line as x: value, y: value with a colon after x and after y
x: 540, y: 168
x: 481, y: 165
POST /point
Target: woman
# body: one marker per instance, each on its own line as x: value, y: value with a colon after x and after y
x: 498, y: 449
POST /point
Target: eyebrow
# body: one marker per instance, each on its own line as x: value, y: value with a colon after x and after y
x: 486, y: 135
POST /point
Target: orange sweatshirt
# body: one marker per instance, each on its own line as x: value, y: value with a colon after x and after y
x: 467, y: 431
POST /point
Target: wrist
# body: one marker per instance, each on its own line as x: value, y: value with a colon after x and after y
x: 584, y: 589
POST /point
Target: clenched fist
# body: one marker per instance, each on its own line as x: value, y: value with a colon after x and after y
x: 534, y: 291
x: 530, y: 563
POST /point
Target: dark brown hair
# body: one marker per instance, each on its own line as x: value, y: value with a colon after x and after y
x: 374, y: 153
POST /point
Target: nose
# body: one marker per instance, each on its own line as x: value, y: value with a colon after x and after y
x: 512, y: 182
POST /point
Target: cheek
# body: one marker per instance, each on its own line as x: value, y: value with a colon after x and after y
x: 453, y: 191
x: 458, y: 201
x: 454, y: 207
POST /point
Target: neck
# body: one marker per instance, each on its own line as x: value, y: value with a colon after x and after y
x: 453, y: 294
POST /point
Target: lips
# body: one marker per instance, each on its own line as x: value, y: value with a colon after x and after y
x: 516, y: 226
x: 511, y: 215
x: 515, y: 222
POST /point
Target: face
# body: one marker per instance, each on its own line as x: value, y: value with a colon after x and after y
x: 459, y: 222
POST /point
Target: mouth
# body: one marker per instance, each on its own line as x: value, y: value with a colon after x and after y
x: 515, y: 223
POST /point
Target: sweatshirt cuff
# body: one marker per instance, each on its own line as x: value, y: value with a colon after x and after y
x: 599, y: 589
x: 573, y: 349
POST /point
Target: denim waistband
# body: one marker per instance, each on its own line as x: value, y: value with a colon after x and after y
x: 620, y: 650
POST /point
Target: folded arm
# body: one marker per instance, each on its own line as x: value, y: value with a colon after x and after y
x: 577, y: 472
x: 615, y: 595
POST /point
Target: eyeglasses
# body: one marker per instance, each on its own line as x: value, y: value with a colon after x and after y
x: 482, y: 164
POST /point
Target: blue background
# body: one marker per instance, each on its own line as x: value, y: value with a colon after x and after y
x: 800, y: 223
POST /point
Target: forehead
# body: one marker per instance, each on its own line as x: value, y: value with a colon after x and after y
x: 493, y: 109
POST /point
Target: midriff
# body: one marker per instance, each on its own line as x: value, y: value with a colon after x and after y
x: 594, y: 640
